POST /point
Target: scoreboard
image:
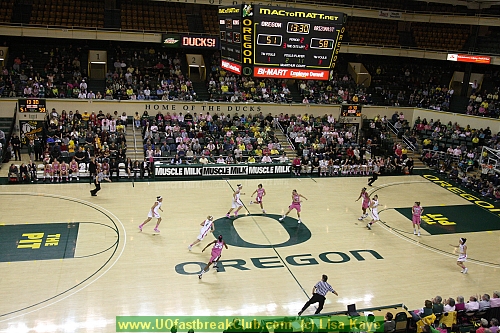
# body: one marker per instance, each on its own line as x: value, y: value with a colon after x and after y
x: 351, y: 110
x: 264, y: 41
x: 32, y: 105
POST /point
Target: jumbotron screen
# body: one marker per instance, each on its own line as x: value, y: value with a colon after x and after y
x: 277, y: 42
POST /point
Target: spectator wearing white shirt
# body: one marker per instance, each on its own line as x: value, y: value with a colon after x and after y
x: 484, y: 303
x: 237, y: 154
x: 221, y: 160
x: 283, y: 158
x: 495, y: 300
x: 266, y: 159
x: 323, y: 167
x: 472, y: 304
x: 83, y: 85
x: 457, y: 152
x: 449, y: 305
x: 91, y: 95
x: 474, y: 86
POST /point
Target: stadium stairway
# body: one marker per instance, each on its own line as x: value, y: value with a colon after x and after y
x: 283, y: 140
x: 417, y: 163
x: 96, y: 85
x: 135, y: 148
x: 458, y: 104
x: 200, y: 89
x: 294, y: 92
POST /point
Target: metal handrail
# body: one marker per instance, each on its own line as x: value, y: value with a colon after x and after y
x: 291, y: 145
x: 135, y: 139
x: 404, y: 138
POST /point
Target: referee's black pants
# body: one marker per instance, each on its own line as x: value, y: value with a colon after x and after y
x: 97, y: 188
x: 372, y: 179
x: 315, y: 298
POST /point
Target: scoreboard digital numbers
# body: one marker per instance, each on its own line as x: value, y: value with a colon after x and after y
x: 32, y: 105
x: 280, y: 42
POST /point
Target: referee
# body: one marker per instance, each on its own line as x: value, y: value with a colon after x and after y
x: 376, y: 173
x: 97, y: 181
x: 319, y: 293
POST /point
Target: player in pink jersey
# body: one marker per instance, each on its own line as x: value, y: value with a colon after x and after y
x: 206, y: 227
x: 216, y: 254
x: 56, y: 171
x: 365, y: 204
x: 47, y: 171
x: 416, y: 211
x: 64, y: 170
x: 295, y: 205
x: 261, y: 192
x: 73, y: 169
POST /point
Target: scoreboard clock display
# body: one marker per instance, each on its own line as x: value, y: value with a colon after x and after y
x: 351, y: 110
x: 32, y: 105
x: 280, y: 42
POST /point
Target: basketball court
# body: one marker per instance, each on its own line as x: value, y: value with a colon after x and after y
x: 72, y: 263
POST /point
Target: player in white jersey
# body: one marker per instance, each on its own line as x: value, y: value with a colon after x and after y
x: 153, y: 213
x: 206, y: 227
x: 261, y: 192
x: 237, y: 203
x: 374, y: 209
x: 462, y: 254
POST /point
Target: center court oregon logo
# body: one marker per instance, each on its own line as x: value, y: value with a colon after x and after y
x: 298, y: 233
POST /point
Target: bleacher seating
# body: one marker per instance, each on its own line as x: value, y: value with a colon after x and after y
x: 226, y: 139
x: 154, y: 16
x: 489, y: 43
x: 6, y: 7
x: 209, y: 18
x: 436, y: 36
x: 148, y: 68
x: 78, y: 13
x: 372, y: 31
x: 401, y: 5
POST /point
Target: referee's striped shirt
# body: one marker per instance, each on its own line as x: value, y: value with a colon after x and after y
x: 323, y: 287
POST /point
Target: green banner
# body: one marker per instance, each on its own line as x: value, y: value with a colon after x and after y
x: 368, y: 323
x: 43, y: 241
x: 438, y: 220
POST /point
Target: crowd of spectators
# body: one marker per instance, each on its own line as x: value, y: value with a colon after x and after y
x: 484, y: 103
x: 445, y: 145
x: 479, y: 314
x: 151, y: 74
x: 411, y: 84
x: 77, y: 139
x: 338, y: 90
x: 209, y: 138
x: 333, y: 149
x: 136, y: 74
x: 62, y: 76
x: 148, y: 74
x: 228, y: 87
